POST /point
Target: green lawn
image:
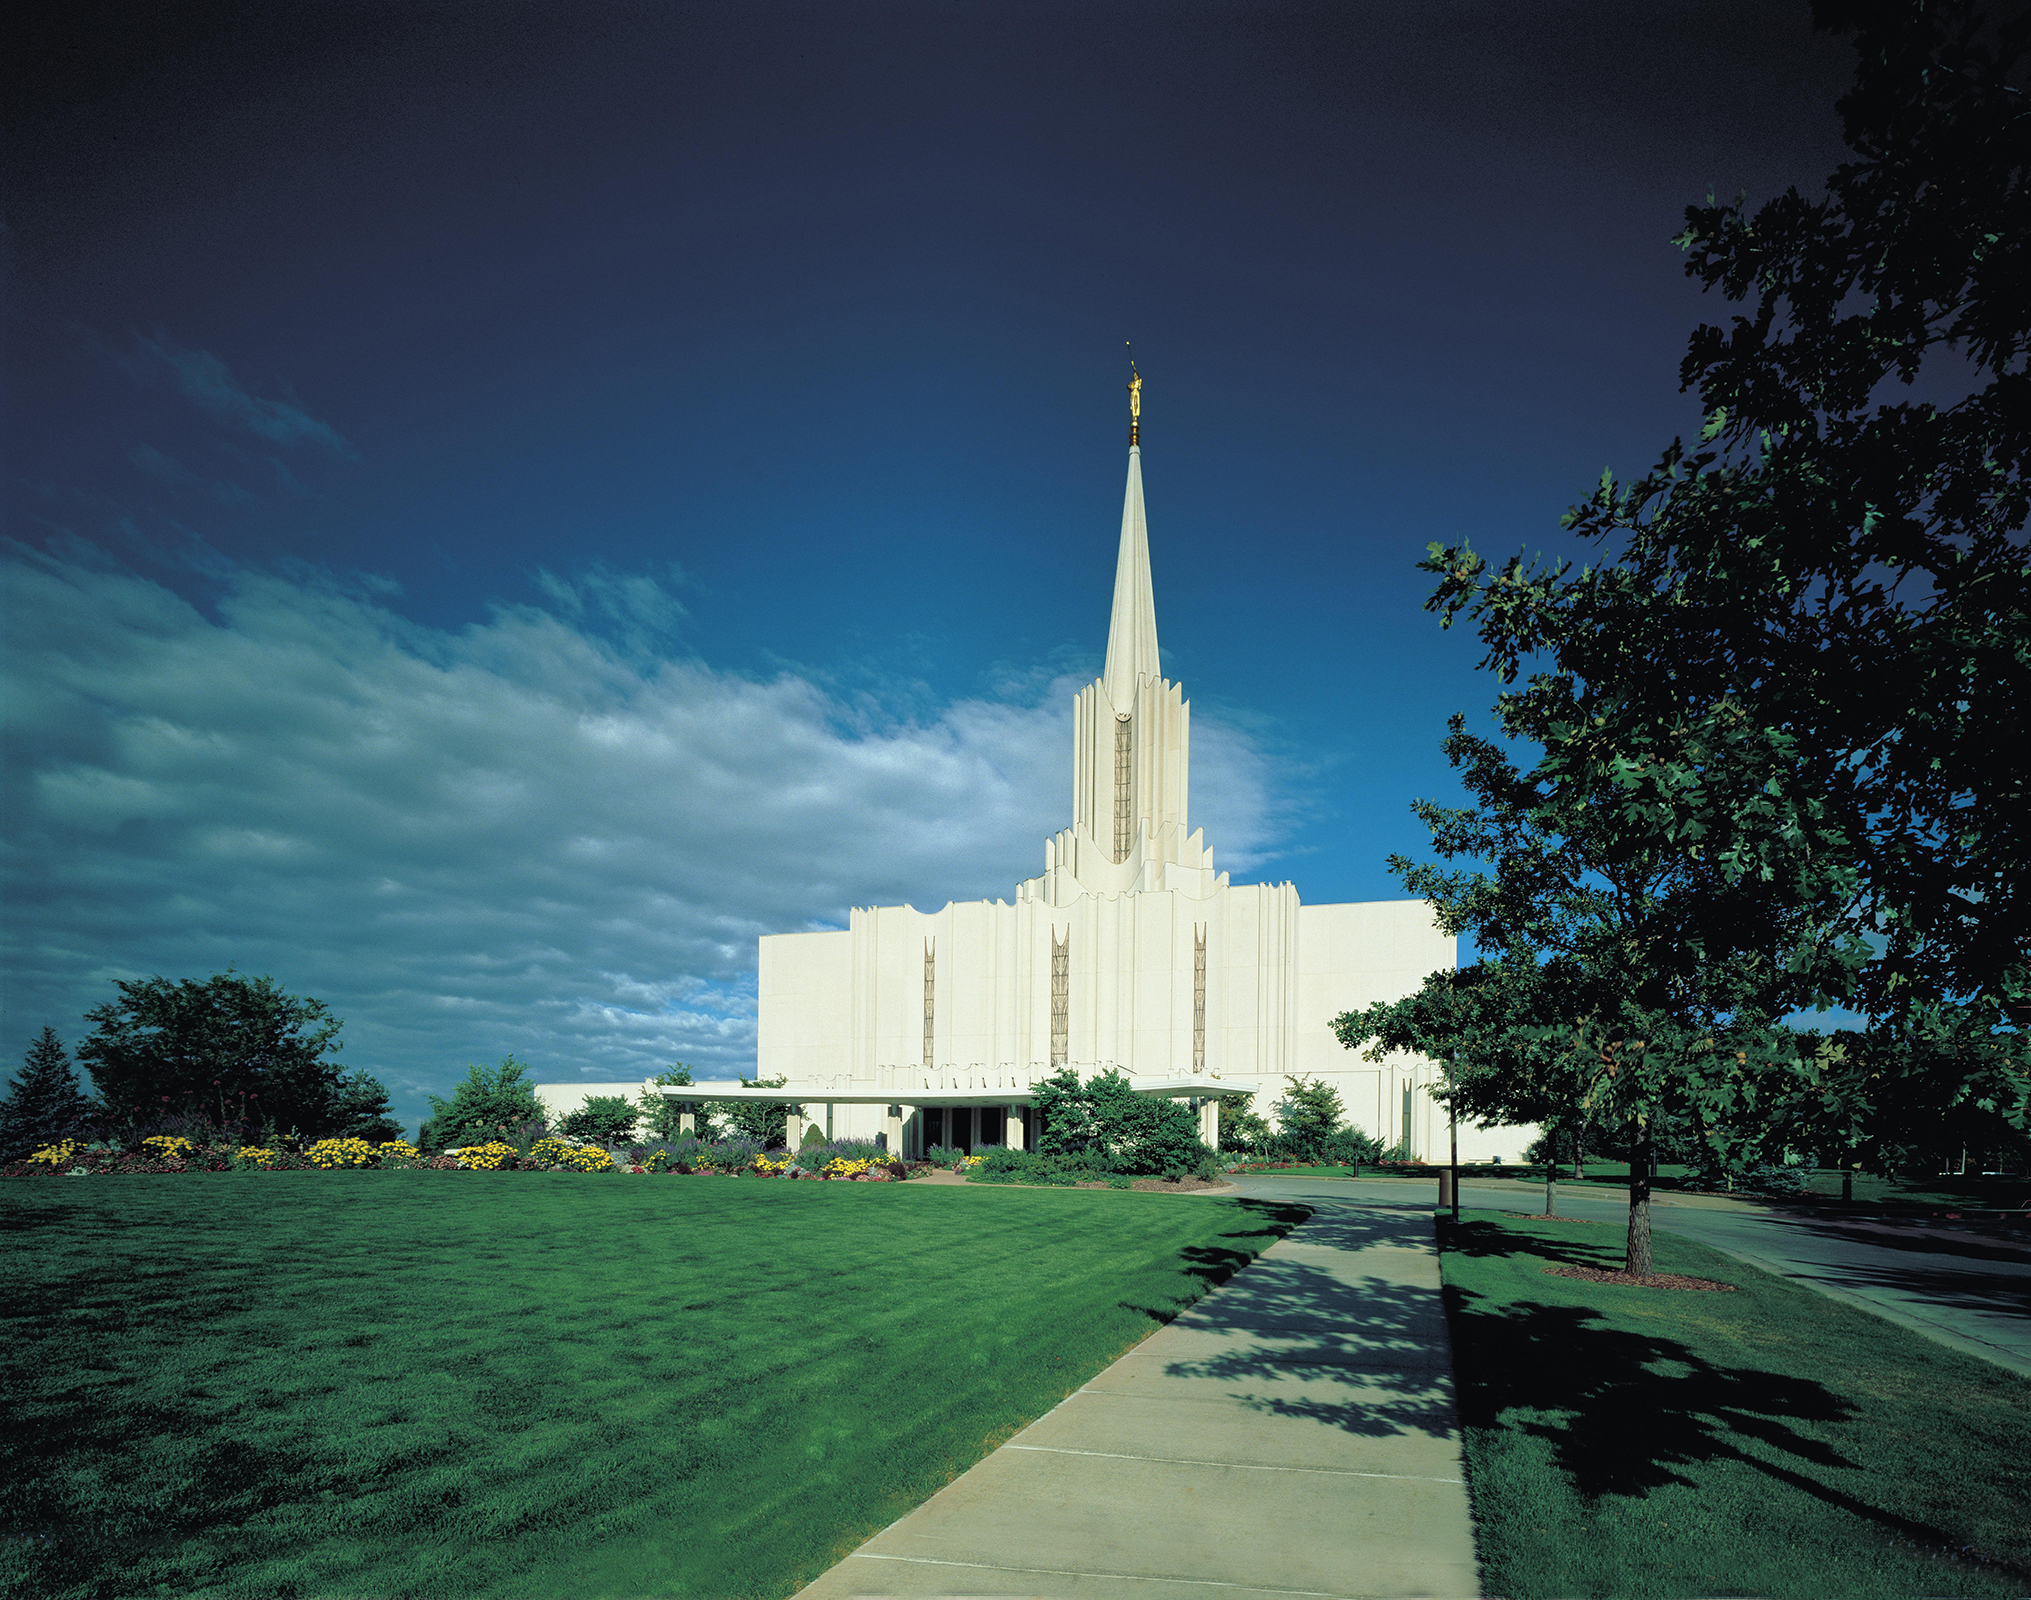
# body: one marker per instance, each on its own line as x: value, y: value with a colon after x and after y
x: 1768, y: 1442
x: 537, y: 1384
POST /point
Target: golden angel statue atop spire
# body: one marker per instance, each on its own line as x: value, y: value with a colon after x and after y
x: 1134, y: 401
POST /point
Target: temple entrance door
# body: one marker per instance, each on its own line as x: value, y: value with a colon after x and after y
x: 934, y: 1126
x: 959, y: 1127
x: 993, y: 1124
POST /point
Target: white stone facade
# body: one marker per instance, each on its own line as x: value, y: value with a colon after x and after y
x: 1130, y: 950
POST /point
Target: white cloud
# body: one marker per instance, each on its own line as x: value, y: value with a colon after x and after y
x: 206, y: 381
x: 535, y: 834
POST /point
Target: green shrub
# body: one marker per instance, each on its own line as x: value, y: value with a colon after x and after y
x: 816, y: 1154
x: 485, y: 1101
x: 1768, y: 1178
x: 1002, y: 1165
x: 767, y: 1125
x: 1351, y: 1147
x: 607, y: 1118
x: 1241, y: 1130
x: 663, y: 1119
x: 1104, y: 1117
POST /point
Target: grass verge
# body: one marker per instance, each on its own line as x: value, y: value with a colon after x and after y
x: 536, y: 1384
x: 1769, y: 1442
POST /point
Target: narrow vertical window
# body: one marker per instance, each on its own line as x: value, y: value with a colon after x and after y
x: 930, y: 999
x: 1061, y: 993
x: 1198, y: 999
x: 1124, y: 809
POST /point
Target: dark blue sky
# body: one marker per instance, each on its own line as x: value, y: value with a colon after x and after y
x: 548, y: 355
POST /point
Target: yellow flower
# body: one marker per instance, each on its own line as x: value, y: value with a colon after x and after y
x: 333, y: 1153
x: 484, y: 1157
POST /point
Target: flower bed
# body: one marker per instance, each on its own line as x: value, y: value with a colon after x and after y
x: 169, y: 1153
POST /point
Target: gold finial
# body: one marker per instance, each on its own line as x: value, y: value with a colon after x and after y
x: 1134, y: 397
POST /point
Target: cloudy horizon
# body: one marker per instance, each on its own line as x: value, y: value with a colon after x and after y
x: 552, y: 833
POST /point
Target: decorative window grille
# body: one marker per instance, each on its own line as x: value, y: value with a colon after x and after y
x: 1198, y: 999
x: 930, y: 999
x: 1124, y: 811
x: 1061, y: 997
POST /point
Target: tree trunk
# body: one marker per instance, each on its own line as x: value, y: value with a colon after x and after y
x: 1638, y: 1260
x: 1453, y: 1121
x: 1551, y: 1187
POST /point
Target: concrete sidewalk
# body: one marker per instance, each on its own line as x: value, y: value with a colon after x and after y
x: 1292, y: 1434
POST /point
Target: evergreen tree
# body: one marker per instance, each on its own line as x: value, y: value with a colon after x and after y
x: 45, y: 1103
x: 361, y: 1109
x: 1308, y: 1115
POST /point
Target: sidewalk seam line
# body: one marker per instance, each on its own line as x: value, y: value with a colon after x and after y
x: 1238, y: 1466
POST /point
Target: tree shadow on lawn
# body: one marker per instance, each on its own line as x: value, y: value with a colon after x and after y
x: 1321, y: 1340
x: 1214, y: 1264
x: 1624, y: 1412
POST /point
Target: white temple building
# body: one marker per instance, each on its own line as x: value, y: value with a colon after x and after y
x: 1130, y: 950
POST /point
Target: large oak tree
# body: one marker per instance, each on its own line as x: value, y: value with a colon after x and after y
x: 231, y: 1048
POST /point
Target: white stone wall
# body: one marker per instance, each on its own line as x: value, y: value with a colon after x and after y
x: 561, y: 1099
x: 847, y: 1007
x: 804, y: 993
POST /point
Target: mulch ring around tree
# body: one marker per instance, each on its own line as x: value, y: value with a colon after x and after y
x: 1642, y: 1280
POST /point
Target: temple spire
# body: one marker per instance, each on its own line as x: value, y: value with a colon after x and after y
x: 1132, y: 630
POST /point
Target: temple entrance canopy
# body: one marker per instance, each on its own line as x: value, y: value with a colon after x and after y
x: 968, y: 1119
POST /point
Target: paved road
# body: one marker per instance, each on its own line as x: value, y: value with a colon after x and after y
x: 1968, y: 1291
x: 1292, y: 1434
